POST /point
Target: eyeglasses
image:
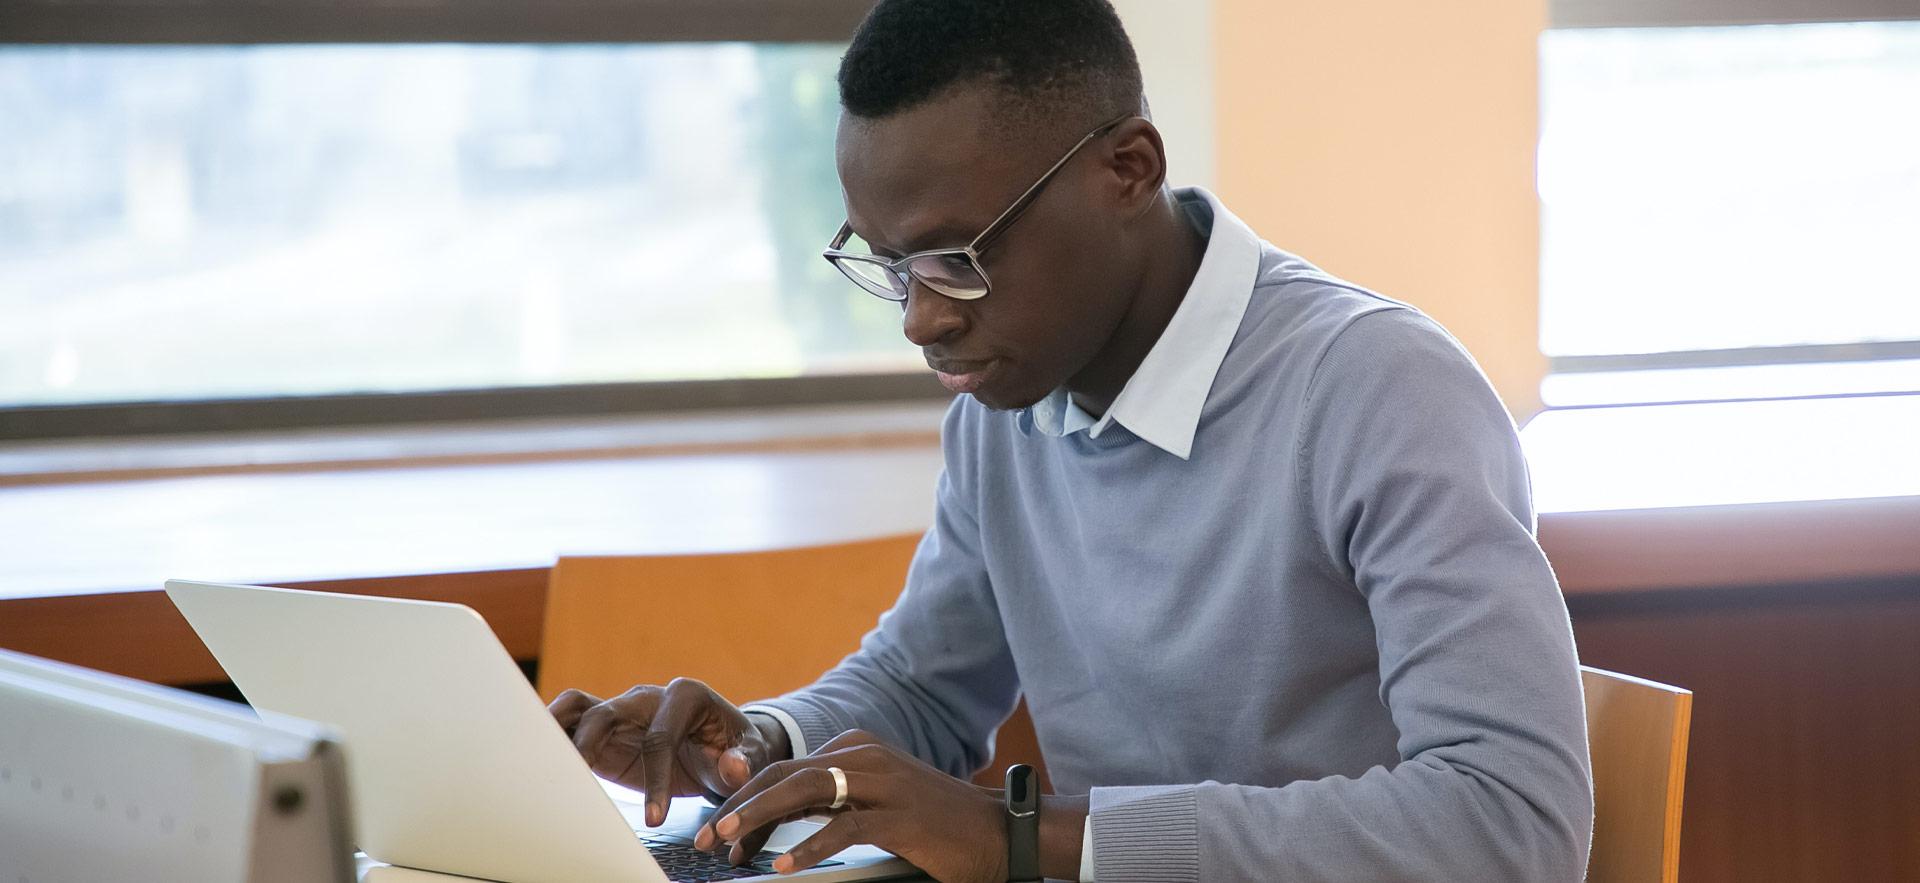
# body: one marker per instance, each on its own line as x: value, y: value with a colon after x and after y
x: 954, y: 272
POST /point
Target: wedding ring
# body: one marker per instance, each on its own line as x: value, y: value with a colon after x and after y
x: 839, y: 787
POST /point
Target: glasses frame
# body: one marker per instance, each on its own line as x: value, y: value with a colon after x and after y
x: 900, y: 270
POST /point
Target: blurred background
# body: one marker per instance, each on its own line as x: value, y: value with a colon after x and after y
x: 418, y: 297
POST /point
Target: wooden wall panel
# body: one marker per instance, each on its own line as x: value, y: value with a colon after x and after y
x: 1805, y: 758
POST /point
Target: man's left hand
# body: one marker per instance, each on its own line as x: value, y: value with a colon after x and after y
x: 952, y: 830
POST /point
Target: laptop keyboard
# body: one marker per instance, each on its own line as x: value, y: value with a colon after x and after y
x: 684, y: 864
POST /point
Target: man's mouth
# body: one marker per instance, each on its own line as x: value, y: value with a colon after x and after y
x: 964, y: 377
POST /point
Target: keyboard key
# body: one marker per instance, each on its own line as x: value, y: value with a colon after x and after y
x: 684, y: 864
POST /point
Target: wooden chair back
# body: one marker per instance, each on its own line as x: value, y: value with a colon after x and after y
x: 750, y: 624
x: 1637, y: 736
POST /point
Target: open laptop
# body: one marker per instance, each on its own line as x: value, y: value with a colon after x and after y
x: 453, y: 763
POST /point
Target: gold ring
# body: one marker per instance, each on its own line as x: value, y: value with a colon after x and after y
x: 839, y: 787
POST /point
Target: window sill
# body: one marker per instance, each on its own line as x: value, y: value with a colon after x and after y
x: 469, y: 443
x: 1728, y: 494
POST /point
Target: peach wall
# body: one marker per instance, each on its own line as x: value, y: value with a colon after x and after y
x: 1392, y: 142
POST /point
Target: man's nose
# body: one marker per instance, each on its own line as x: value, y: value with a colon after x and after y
x: 931, y: 317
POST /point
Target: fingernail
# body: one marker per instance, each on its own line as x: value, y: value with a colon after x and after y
x: 783, y: 864
x: 728, y: 826
x: 703, y: 838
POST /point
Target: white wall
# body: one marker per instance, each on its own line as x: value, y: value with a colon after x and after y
x: 1174, y: 39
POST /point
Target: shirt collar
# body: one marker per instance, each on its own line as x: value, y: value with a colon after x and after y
x: 1161, y: 402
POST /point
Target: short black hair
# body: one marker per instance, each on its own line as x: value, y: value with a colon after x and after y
x: 1048, y: 55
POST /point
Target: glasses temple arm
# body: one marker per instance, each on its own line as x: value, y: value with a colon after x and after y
x: 985, y: 240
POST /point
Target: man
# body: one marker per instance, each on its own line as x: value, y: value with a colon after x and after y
x: 1255, y: 544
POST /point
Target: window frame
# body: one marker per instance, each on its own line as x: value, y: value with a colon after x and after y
x: 1586, y: 14
x: 189, y: 22
x: 267, y: 22
x: 1571, y: 14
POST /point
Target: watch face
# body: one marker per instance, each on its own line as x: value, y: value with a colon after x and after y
x: 1020, y: 785
x: 1017, y: 788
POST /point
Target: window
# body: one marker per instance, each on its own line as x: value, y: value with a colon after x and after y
x: 321, y: 203
x: 1728, y: 211
x: 231, y: 222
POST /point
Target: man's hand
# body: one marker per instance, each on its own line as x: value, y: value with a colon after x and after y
x: 674, y: 741
x: 953, y: 830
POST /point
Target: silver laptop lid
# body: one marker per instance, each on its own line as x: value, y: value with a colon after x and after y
x: 453, y: 761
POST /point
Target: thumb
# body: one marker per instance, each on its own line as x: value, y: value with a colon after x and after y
x: 735, y: 769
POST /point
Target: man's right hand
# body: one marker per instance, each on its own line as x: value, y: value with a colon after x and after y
x: 674, y: 741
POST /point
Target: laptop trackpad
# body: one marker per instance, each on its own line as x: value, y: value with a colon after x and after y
x: 789, y: 835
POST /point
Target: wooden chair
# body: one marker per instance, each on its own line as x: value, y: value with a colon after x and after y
x: 1637, y: 736
x: 750, y: 624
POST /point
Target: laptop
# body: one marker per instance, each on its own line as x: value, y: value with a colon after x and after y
x: 453, y: 764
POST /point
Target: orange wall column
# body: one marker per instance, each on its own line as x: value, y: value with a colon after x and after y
x: 1392, y: 143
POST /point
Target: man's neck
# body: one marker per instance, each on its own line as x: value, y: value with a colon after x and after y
x: 1173, y: 249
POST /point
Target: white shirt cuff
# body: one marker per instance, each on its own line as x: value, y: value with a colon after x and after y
x: 794, y: 737
x: 1086, y: 852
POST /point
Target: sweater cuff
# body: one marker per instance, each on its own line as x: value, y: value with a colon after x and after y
x: 815, y: 727
x: 796, y: 737
x: 1145, y: 834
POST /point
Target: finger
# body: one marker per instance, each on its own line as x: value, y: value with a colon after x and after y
x: 751, y: 844
x: 735, y: 768
x: 859, y: 763
x: 657, y: 762
x: 740, y: 762
x: 680, y: 703
x: 569, y: 705
x: 690, y: 709
x: 707, y: 838
x: 846, y: 830
x: 699, y: 769
x: 609, y: 735
x: 619, y: 758
x: 595, y: 724
x: 808, y: 789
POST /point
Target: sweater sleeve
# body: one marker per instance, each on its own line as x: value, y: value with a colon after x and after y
x: 1416, y: 491
x: 934, y: 678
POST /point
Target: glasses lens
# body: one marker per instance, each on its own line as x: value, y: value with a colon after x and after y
x: 954, y: 275
x: 876, y: 279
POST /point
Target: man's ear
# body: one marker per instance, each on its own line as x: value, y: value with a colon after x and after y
x: 1137, y: 161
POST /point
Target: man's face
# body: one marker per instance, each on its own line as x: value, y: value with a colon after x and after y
x: 938, y: 174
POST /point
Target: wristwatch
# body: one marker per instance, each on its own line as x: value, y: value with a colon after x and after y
x: 1023, y: 824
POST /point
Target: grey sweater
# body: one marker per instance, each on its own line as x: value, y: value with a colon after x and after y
x: 1325, y: 646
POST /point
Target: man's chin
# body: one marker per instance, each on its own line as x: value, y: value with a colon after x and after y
x: 994, y: 400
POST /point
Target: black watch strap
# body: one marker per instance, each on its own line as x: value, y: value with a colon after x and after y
x: 1023, y: 824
